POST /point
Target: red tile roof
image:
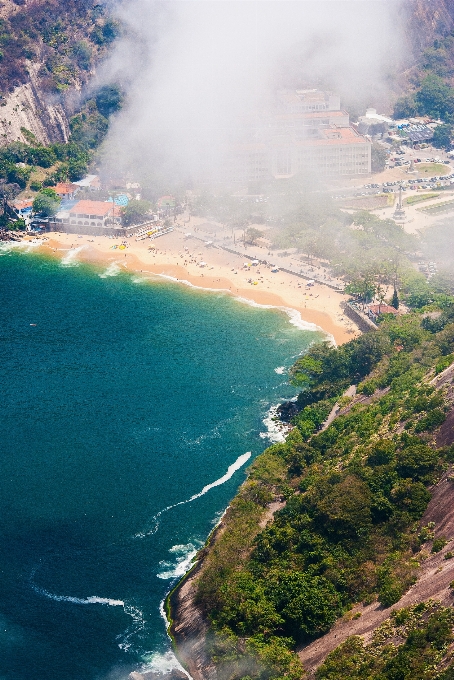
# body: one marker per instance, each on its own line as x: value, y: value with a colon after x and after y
x: 382, y: 309
x: 98, y: 208
x: 65, y: 188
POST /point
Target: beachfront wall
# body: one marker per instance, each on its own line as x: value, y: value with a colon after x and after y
x: 89, y: 230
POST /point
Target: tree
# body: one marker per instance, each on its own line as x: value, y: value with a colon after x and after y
x: 43, y: 156
x: 109, y: 100
x: 82, y: 54
x: 395, y: 300
x: 379, y: 157
x: 362, y: 287
x: 135, y: 211
x: 435, y: 97
x: 45, y: 203
x: 442, y: 137
x: 405, y: 107
x: 253, y: 234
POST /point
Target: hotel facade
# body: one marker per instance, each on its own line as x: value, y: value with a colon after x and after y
x: 308, y: 133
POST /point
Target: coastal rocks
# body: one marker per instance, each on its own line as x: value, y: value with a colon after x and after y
x: 287, y: 410
x: 190, y: 630
x: 174, y: 674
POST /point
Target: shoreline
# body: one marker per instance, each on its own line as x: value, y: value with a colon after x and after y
x: 318, y: 306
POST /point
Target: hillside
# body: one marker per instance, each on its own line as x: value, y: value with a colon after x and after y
x: 339, y: 526
x: 48, y: 52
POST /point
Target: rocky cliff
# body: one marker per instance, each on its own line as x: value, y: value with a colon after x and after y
x: 49, y: 50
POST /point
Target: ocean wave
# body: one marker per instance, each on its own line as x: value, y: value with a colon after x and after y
x: 112, y: 270
x: 184, y: 556
x: 240, y: 461
x: 70, y: 258
x: 276, y: 431
x: 280, y: 370
x: 162, y: 663
x: 27, y: 246
x: 293, y: 314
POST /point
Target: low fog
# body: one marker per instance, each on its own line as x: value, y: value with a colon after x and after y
x: 200, y: 75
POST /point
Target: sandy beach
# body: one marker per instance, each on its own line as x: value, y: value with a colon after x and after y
x: 178, y: 256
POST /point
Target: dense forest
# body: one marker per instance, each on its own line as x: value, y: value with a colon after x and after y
x: 351, y: 499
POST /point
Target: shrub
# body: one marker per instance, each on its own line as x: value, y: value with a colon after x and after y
x: 438, y: 544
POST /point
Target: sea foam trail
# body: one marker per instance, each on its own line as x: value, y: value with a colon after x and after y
x: 240, y: 461
x: 70, y: 258
x: 93, y: 599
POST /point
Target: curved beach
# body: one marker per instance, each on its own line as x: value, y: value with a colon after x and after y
x: 177, y: 257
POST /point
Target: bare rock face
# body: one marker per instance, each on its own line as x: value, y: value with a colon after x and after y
x: 174, y: 674
x: 427, y: 20
x: 27, y: 108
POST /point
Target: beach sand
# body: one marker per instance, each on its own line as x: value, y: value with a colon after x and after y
x: 178, y: 256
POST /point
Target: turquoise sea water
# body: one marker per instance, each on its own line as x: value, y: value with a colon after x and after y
x: 123, y: 398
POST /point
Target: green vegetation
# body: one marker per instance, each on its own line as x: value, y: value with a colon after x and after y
x: 135, y: 212
x: 424, y: 632
x: 252, y: 235
x: 46, y: 203
x: 379, y: 156
x: 433, y: 168
x: 411, y: 200
x: 433, y: 94
x: 353, y: 496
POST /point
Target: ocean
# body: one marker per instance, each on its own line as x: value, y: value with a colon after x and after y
x: 130, y: 410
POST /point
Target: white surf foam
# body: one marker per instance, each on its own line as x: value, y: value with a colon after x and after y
x: 280, y: 370
x: 93, y: 599
x: 70, y: 258
x: 184, y: 556
x: 293, y: 314
x: 162, y: 663
x: 240, y: 461
x: 125, y: 638
x: 7, y: 246
x: 276, y: 431
x: 138, y: 623
x: 112, y: 270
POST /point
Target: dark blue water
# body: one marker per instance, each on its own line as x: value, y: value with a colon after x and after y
x: 122, y: 399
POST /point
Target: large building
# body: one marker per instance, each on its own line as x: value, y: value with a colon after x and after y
x: 90, y: 217
x: 308, y: 132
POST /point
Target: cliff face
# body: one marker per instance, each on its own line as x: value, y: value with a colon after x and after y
x: 49, y: 50
x: 426, y: 20
x: 28, y: 109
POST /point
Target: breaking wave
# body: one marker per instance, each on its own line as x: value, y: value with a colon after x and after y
x: 69, y: 260
x: 276, y: 430
x: 184, y: 556
x: 112, y: 270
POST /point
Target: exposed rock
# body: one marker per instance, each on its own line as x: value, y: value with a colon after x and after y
x: 287, y: 410
x: 27, y: 107
x: 174, y: 674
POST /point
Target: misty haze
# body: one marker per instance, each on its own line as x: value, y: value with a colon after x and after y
x: 227, y: 323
